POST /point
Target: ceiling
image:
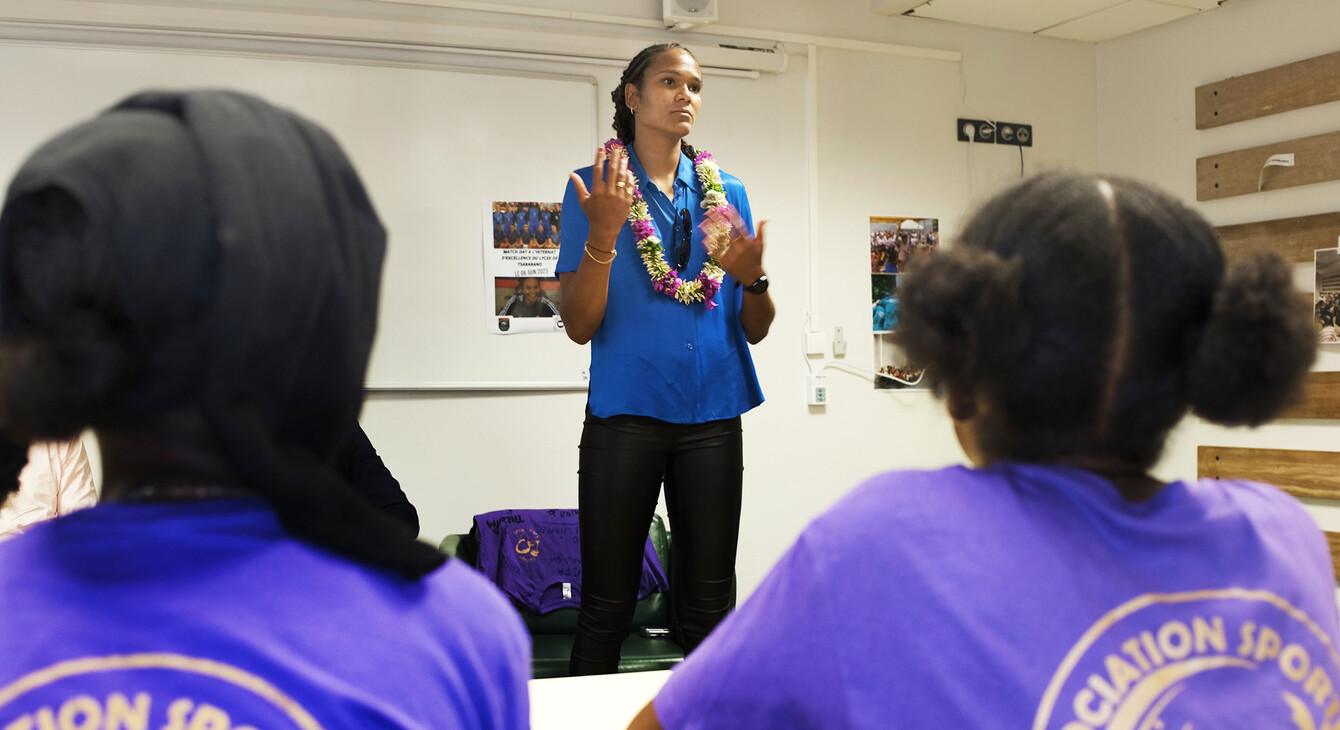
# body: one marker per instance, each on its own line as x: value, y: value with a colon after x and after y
x: 1081, y: 20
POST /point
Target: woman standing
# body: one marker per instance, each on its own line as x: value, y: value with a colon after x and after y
x: 670, y: 327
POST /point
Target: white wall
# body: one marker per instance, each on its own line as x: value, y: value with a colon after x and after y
x: 1146, y: 111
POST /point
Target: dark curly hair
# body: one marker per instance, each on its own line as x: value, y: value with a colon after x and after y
x: 1092, y: 312
x: 625, y: 126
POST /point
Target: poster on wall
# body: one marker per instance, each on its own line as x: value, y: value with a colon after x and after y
x: 896, y: 242
x: 521, y: 292
x: 1326, y: 295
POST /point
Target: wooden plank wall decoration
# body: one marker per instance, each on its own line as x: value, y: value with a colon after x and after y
x: 1274, y: 90
x: 1321, y: 398
x: 1316, y: 159
x: 1313, y: 474
x: 1307, y: 474
x: 1296, y: 239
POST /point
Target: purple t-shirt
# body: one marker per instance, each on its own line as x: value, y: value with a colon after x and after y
x: 1030, y: 597
x: 182, y: 616
x: 535, y: 556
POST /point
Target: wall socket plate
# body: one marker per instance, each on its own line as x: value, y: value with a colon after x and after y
x: 985, y: 131
x: 976, y: 130
x: 1020, y: 135
x: 816, y: 390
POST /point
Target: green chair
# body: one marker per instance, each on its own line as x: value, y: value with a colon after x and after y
x: 553, y: 633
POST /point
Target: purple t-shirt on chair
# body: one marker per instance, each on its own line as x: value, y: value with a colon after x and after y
x: 535, y: 556
x: 1035, y: 597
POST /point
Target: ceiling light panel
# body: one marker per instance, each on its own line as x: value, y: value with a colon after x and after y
x: 1128, y: 17
x: 1028, y: 17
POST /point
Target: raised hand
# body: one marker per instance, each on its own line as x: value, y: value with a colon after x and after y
x: 739, y: 252
x: 610, y: 197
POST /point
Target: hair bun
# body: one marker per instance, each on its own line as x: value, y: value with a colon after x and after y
x: 1257, y: 346
x: 965, y: 303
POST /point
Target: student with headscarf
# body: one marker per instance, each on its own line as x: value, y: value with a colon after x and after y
x: 195, y: 276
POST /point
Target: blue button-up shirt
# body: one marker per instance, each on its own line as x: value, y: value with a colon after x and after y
x: 653, y: 356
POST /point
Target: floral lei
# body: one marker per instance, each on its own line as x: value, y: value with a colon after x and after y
x: 664, y: 279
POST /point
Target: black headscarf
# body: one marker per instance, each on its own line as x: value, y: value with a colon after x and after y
x: 232, y: 247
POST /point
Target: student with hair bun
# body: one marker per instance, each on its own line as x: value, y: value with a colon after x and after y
x: 1056, y: 584
x: 194, y: 276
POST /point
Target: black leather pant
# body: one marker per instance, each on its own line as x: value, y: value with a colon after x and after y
x: 623, y: 462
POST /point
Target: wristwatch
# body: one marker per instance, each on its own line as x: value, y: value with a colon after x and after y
x: 759, y: 286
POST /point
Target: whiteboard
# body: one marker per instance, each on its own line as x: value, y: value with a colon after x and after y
x: 431, y: 145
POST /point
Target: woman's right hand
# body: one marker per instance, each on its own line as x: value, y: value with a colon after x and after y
x: 607, y: 203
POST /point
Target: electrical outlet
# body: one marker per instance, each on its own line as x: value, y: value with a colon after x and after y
x: 816, y: 390
x: 976, y: 130
x: 1020, y: 135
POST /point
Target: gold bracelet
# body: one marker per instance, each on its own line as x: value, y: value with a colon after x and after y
x: 612, y: 254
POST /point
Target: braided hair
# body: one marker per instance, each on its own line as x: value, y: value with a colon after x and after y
x: 625, y: 123
x: 1091, y: 313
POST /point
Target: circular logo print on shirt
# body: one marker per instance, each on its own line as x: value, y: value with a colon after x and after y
x: 526, y: 544
x: 1197, y: 660
x: 157, y: 691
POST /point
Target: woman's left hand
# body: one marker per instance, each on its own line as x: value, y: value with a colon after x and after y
x: 741, y: 254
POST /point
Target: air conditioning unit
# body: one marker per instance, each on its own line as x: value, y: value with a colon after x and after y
x: 192, y: 27
x: 681, y: 14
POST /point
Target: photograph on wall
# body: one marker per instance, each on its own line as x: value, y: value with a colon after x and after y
x: 896, y: 242
x: 520, y: 252
x: 526, y: 296
x: 525, y: 225
x: 1326, y: 295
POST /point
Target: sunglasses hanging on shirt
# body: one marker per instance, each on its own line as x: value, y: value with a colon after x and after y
x: 683, y: 239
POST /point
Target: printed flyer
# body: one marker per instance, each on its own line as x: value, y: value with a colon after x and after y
x: 521, y: 292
